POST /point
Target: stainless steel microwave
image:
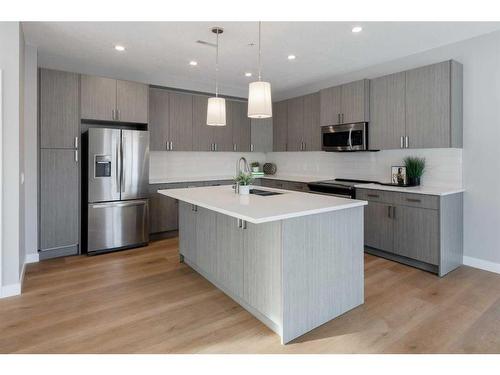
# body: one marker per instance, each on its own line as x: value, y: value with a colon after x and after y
x: 346, y: 137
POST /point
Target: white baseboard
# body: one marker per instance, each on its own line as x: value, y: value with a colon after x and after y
x: 10, y: 290
x: 482, y: 264
x: 31, y: 258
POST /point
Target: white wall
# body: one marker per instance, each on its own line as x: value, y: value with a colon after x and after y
x: 10, y: 64
x: 22, y: 206
x: 31, y: 153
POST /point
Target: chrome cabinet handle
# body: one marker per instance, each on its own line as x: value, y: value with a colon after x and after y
x: 171, y: 146
x: 215, y: 146
x: 338, y: 118
x: 234, y: 146
x: 166, y: 145
x: 239, y: 222
x: 76, y: 142
x: 373, y: 195
x: 342, y: 118
x: 76, y: 156
x: 350, y: 138
x: 112, y: 114
x: 305, y: 146
x: 401, y: 142
x: 406, y: 142
x: 414, y: 200
x: 389, y: 211
x: 251, y: 147
x: 118, y: 114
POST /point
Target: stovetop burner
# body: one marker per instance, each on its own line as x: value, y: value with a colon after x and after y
x: 342, y: 187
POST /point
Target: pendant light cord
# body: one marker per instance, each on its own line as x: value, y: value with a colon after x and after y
x: 217, y: 67
x: 260, y: 64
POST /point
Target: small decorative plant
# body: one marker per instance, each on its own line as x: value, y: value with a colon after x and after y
x: 255, y: 166
x: 415, y: 168
x: 244, y: 179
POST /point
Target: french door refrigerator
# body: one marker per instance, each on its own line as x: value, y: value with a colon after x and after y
x: 118, y: 180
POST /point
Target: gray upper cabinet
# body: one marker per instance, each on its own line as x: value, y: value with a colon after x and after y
x: 355, y: 102
x: 59, y: 109
x: 295, y: 124
x: 241, y: 127
x: 280, y: 124
x: 158, y: 119
x: 224, y: 134
x: 106, y: 99
x: 311, y: 134
x: 181, y: 121
x: 262, y: 135
x: 433, y: 106
x: 59, y: 209
x: 204, y: 135
x: 387, y: 112
x: 98, y: 98
x: 132, y: 102
x: 330, y: 106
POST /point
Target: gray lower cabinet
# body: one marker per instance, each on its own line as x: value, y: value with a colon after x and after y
x: 59, y: 109
x: 286, y: 185
x: 59, y: 203
x: 163, y: 211
x: 420, y: 230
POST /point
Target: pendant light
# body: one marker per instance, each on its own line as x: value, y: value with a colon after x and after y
x: 216, y: 109
x: 259, y: 95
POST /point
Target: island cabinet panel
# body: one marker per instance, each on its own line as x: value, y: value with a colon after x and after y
x: 295, y: 131
x: 181, y: 121
x: 98, y: 98
x: 159, y: 119
x: 187, y: 231
x: 241, y: 126
x: 321, y: 250
x: 132, y: 102
x: 280, y: 125
x: 387, y: 112
x: 262, y: 268
x: 206, y: 240
x: 59, y: 109
x: 229, y: 255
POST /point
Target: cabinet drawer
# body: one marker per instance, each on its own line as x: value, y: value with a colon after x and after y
x: 273, y: 183
x: 296, y: 186
x: 375, y: 195
x: 417, y: 200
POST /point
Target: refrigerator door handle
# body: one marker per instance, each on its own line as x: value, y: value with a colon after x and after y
x: 118, y: 167
x: 122, y: 158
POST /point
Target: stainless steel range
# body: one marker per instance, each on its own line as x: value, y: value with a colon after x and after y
x: 339, y: 187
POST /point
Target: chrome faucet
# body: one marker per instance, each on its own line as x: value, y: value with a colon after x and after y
x: 246, y: 169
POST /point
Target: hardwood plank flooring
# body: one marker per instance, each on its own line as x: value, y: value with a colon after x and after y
x: 145, y: 301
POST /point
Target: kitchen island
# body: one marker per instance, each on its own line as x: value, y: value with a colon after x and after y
x: 294, y: 260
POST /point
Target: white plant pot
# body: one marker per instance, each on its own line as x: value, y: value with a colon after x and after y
x: 255, y: 169
x: 244, y: 189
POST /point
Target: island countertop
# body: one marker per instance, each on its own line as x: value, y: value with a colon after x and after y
x: 261, y: 209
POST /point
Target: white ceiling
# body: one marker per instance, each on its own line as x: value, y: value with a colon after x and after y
x: 159, y: 52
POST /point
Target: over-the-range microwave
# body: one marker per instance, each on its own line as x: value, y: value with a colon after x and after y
x: 345, y: 137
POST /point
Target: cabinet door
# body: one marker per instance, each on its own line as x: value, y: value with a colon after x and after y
x: 262, y: 268
x: 280, y: 124
x: 158, y: 119
x: 59, y: 109
x: 229, y: 258
x: 181, y: 121
x: 187, y: 231
x: 98, y: 98
x: 355, y: 101
x: 387, y: 112
x: 241, y: 126
x: 416, y: 233
x: 379, y: 226
x: 330, y: 105
x: 206, y: 240
x: 163, y: 211
x: 428, y: 106
x: 262, y: 134
x: 295, y: 124
x: 132, y: 102
x: 203, y: 135
x: 312, y: 130
x: 224, y: 134
x: 59, y: 191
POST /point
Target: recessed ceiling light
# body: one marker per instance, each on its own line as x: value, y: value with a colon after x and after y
x: 119, y: 48
x: 291, y: 57
x: 248, y: 74
x: 193, y: 63
x: 357, y: 29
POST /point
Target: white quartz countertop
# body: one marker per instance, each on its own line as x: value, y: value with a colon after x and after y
x: 426, y: 190
x: 284, y: 177
x: 261, y: 209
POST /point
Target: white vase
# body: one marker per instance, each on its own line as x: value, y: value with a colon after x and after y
x: 255, y: 169
x: 244, y: 189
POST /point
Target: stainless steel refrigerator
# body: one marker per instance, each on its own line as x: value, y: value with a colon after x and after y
x: 117, y: 191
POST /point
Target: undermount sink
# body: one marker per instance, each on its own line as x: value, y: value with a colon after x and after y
x: 264, y: 193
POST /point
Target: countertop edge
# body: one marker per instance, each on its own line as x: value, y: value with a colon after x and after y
x: 431, y: 190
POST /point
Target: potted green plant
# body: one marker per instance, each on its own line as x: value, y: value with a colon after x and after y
x: 255, y: 166
x: 415, y: 168
x: 243, y: 181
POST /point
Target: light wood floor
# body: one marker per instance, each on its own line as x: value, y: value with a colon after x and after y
x: 144, y: 301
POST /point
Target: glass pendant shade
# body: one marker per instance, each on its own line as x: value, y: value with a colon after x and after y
x: 216, y: 111
x: 259, y: 100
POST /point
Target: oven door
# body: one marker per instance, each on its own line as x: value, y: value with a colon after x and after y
x: 347, y: 137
